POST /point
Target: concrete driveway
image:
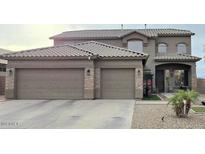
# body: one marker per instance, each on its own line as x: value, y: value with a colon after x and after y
x: 66, y: 114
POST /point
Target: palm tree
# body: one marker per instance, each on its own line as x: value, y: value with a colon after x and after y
x: 182, y: 100
x: 177, y: 102
x: 190, y: 96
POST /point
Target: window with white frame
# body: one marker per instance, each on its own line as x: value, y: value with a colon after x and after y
x: 181, y: 48
x: 135, y: 45
x: 162, y: 48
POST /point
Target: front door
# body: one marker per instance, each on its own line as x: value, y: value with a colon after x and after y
x: 160, y: 80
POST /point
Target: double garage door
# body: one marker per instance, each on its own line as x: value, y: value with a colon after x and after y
x: 69, y: 83
x: 50, y: 83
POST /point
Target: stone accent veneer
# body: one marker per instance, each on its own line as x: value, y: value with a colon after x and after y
x: 89, y: 83
x: 138, y: 83
x: 10, y: 83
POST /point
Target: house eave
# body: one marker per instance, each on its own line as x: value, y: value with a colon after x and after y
x: 177, y: 60
x: 51, y: 58
x: 83, y: 38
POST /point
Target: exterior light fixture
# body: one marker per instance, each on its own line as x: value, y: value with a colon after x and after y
x: 88, y: 72
x: 10, y: 71
x: 138, y: 72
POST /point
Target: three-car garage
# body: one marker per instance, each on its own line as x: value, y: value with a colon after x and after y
x: 38, y: 83
x: 91, y: 71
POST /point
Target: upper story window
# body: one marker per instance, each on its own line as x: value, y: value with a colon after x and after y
x: 162, y: 48
x: 135, y: 45
x: 181, y: 48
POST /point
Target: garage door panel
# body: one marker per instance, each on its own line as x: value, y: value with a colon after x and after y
x: 117, y: 83
x: 50, y: 83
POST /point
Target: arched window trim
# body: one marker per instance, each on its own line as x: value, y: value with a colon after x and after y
x: 183, y: 44
x: 134, y: 39
x: 162, y: 43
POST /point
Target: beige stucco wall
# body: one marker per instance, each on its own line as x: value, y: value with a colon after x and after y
x: 50, y: 64
x: 173, y: 41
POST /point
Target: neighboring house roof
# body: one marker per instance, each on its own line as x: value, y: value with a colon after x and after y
x: 3, y: 51
x: 119, y: 33
x: 177, y: 57
x: 91, y: 48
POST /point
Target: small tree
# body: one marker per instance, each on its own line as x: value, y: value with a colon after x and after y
x: 181, y: 102
x: 177, y: 102
x: 190, y: 97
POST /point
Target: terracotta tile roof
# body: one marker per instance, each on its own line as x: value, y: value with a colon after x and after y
x: 54, y: 51
x: 177, y: 57
x: 85, y: 49
x: 119, y: 33
x: 105, y: 50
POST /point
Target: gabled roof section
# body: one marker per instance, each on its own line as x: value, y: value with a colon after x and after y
x: 105, y: 50
x: 87, y: 49
x: 133, y: 32
x: 177, y: 58
x: 119, y: 33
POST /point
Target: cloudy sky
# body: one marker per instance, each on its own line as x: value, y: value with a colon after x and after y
x: 20, y: 37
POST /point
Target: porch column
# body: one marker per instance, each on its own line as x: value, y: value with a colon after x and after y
x: 89, y: 83
x: 154, y: 78
x: 193, y: 77
x: 10, y: 83
x: 138, y: 83
x: 172, y: 85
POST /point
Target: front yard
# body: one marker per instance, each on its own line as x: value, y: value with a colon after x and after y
x: 151, y: 97
x: 159, y: 116
x: 198, y: 109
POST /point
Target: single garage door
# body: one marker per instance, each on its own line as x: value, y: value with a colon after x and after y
x: 117, y: 83
x: 50, y: 83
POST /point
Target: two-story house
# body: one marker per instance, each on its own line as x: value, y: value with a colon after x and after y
x: 91, y: 64
x: 169, y: 50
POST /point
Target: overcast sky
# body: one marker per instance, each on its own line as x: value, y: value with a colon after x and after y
x: 21, y: 37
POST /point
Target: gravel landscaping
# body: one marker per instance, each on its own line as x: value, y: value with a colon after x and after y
x: 148, y: 116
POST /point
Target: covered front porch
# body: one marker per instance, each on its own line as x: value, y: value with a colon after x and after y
x: 174, y: 72
x: 172, y: 76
